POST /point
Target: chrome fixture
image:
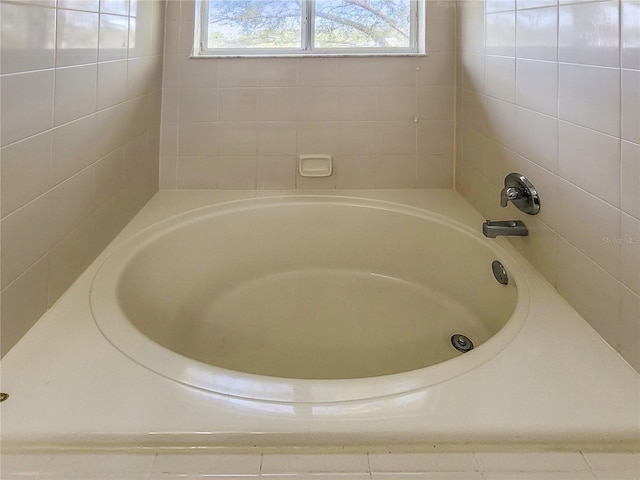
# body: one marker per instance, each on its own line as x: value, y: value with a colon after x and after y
x: 500, y: 272
x: 504, y: 228
x: 462, y: 343
x: 521, y: 192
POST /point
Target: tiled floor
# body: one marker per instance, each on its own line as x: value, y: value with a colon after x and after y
x: 351, y: 466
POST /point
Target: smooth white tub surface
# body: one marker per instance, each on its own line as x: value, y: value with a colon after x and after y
x: 285, y: 299
x: 343, y: 302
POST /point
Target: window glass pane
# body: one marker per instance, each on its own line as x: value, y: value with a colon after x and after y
x: 254, y: 24
x: 362, y: 23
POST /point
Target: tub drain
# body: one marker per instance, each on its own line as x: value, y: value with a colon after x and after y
x: 461, y: 342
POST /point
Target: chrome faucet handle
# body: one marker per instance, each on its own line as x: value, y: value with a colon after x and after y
x: 519, y: 190
x: 510, y: 193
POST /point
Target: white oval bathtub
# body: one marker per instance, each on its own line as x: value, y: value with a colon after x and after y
x: 307, y: 298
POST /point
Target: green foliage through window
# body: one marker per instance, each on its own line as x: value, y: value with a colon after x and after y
x: 306, y: 26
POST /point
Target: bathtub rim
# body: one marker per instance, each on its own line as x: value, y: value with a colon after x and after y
x: 137, y: 347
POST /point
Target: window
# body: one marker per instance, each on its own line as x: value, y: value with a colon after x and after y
x: 308, y: 27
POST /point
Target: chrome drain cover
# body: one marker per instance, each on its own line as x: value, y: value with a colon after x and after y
x: 462, y: 343
x: 500, y: 272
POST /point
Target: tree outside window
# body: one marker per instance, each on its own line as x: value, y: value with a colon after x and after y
x: 310, y: 26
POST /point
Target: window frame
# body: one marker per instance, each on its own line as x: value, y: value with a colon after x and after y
x: 417, y: 36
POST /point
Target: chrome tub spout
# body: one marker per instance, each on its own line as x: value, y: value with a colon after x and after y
x: 507, y: 228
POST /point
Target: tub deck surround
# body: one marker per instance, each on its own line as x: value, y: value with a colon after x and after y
x: 557, y: 383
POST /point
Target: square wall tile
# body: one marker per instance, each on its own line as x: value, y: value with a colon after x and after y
x: 33, y: 222
x: 237, y: 104
x: 317, y: 137
x: 74, y: 148
x: 437, y: 69
x: 197, y: 105
x: 590, y: 160
x: 198, y: 138
x: 500, y: 78
x: 355, y: 171
x: 434, y: 171
x: 501, y: 33
x: 113, y: 38
x: 397, y: 103
x: 138, y: 73
x: 537, y: 34
x: 356, y: 138
x: 237, y: 139
x: 276, y: 104
x: 25, y: 171
x: 501, y: 121
x: 472, y: 30
x: 397, y: 138
x: 71, y: 203
x: 537, y: 138
x: 317, y: 103
x: 631, y: 105
x: 594, y: 239
x: 77, y: 38
x: 236, y: 172
x: 196, y: 172
x: 27, y: 105
x: 27, y: 35
x: 629, y: 28
x: 192, y: 73
x: 76, y: 93
x: 276, y: 138
x: 537, y: 86
x: 112, y: 84
x: 630, y: 179
x: 275, y: 172
x: 435, y: 103
x: 236, y: 72
x: 589, y: 33
x: 590, y: 96
x: 396, y: 171
x: 397, y: 71
x: 111, y: 128
x: 357, y: 72
x: 317, y: 72
x: 277, y: 72
x: 357, y: 103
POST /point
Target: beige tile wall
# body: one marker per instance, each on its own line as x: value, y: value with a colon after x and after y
x: 552, y: 90
x: 241, y: 123
x: 80, y: 125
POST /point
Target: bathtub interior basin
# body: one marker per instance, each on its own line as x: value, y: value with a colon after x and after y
x: 307, y: 299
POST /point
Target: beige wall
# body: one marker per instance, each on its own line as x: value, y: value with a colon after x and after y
x: 240, y: 123
x: 80, y: 92
x: 553, y: 92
